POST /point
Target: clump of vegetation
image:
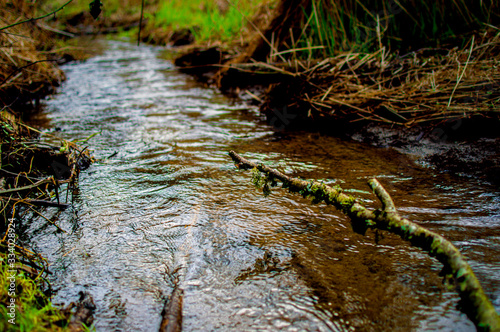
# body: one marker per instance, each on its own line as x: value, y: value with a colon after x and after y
x: 31, y: 172
x: 32, y: 176
x: 33, y: 310
x: 222, y: 20
x: 396, y: 62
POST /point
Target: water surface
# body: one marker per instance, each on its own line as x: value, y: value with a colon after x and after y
x: 164, y: 197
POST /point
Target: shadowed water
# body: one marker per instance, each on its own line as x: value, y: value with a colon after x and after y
x: 171, y: 200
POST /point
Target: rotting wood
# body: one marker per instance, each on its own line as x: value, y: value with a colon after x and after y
x: 479, y: 308
x: 172, y: 312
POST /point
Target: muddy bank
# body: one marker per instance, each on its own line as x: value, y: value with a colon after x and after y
x: 461, y: 147
x: 438, y: 102
x: 465, y: 148
x: 343, y: 97
x: 32, y: 50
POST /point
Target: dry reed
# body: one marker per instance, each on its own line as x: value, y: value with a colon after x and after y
x: 24, y: 71
x: 427, y: 85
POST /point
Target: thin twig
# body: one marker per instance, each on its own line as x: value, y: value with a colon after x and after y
x: 33, y: 186
x: 44, y: 217
x: 37, y: 202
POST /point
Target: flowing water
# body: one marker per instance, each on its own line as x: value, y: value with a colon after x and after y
x: 164, y: 202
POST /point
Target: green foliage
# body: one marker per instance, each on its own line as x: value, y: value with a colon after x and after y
x: 347, y: 203
x: 257, y: 178
x: 205, y: 18
x: 6, y: 132
x: 34, y: 311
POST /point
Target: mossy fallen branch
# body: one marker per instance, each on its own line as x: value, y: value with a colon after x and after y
x: 479, y: 308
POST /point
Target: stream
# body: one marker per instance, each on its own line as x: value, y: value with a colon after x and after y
x: 165, y: 204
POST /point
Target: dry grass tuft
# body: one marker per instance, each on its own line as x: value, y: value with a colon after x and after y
x: 24, y: 71
x: 427, y: 85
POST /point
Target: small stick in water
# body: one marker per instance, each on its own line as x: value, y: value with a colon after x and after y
x: 172, y: 312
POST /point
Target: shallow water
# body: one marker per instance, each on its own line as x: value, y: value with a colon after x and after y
x: 171, y: 200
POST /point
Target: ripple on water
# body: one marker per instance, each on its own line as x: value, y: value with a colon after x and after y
x: 170, y: 200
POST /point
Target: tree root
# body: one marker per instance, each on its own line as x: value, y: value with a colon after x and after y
x: 479, y: 308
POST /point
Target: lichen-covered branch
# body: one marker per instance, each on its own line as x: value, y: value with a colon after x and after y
x: 480, y: 309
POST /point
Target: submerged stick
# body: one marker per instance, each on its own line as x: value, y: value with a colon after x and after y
x: 172, y: 312
x: 83, y: 316
x: 480, y: 309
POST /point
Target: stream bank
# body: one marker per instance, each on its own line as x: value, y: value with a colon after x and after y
x: 34, y: 176
x: 437, y: 103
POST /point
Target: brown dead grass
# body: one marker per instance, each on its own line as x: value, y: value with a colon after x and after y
x: 24, y: 70
x: 427, y: 85
x: 422, y: 86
